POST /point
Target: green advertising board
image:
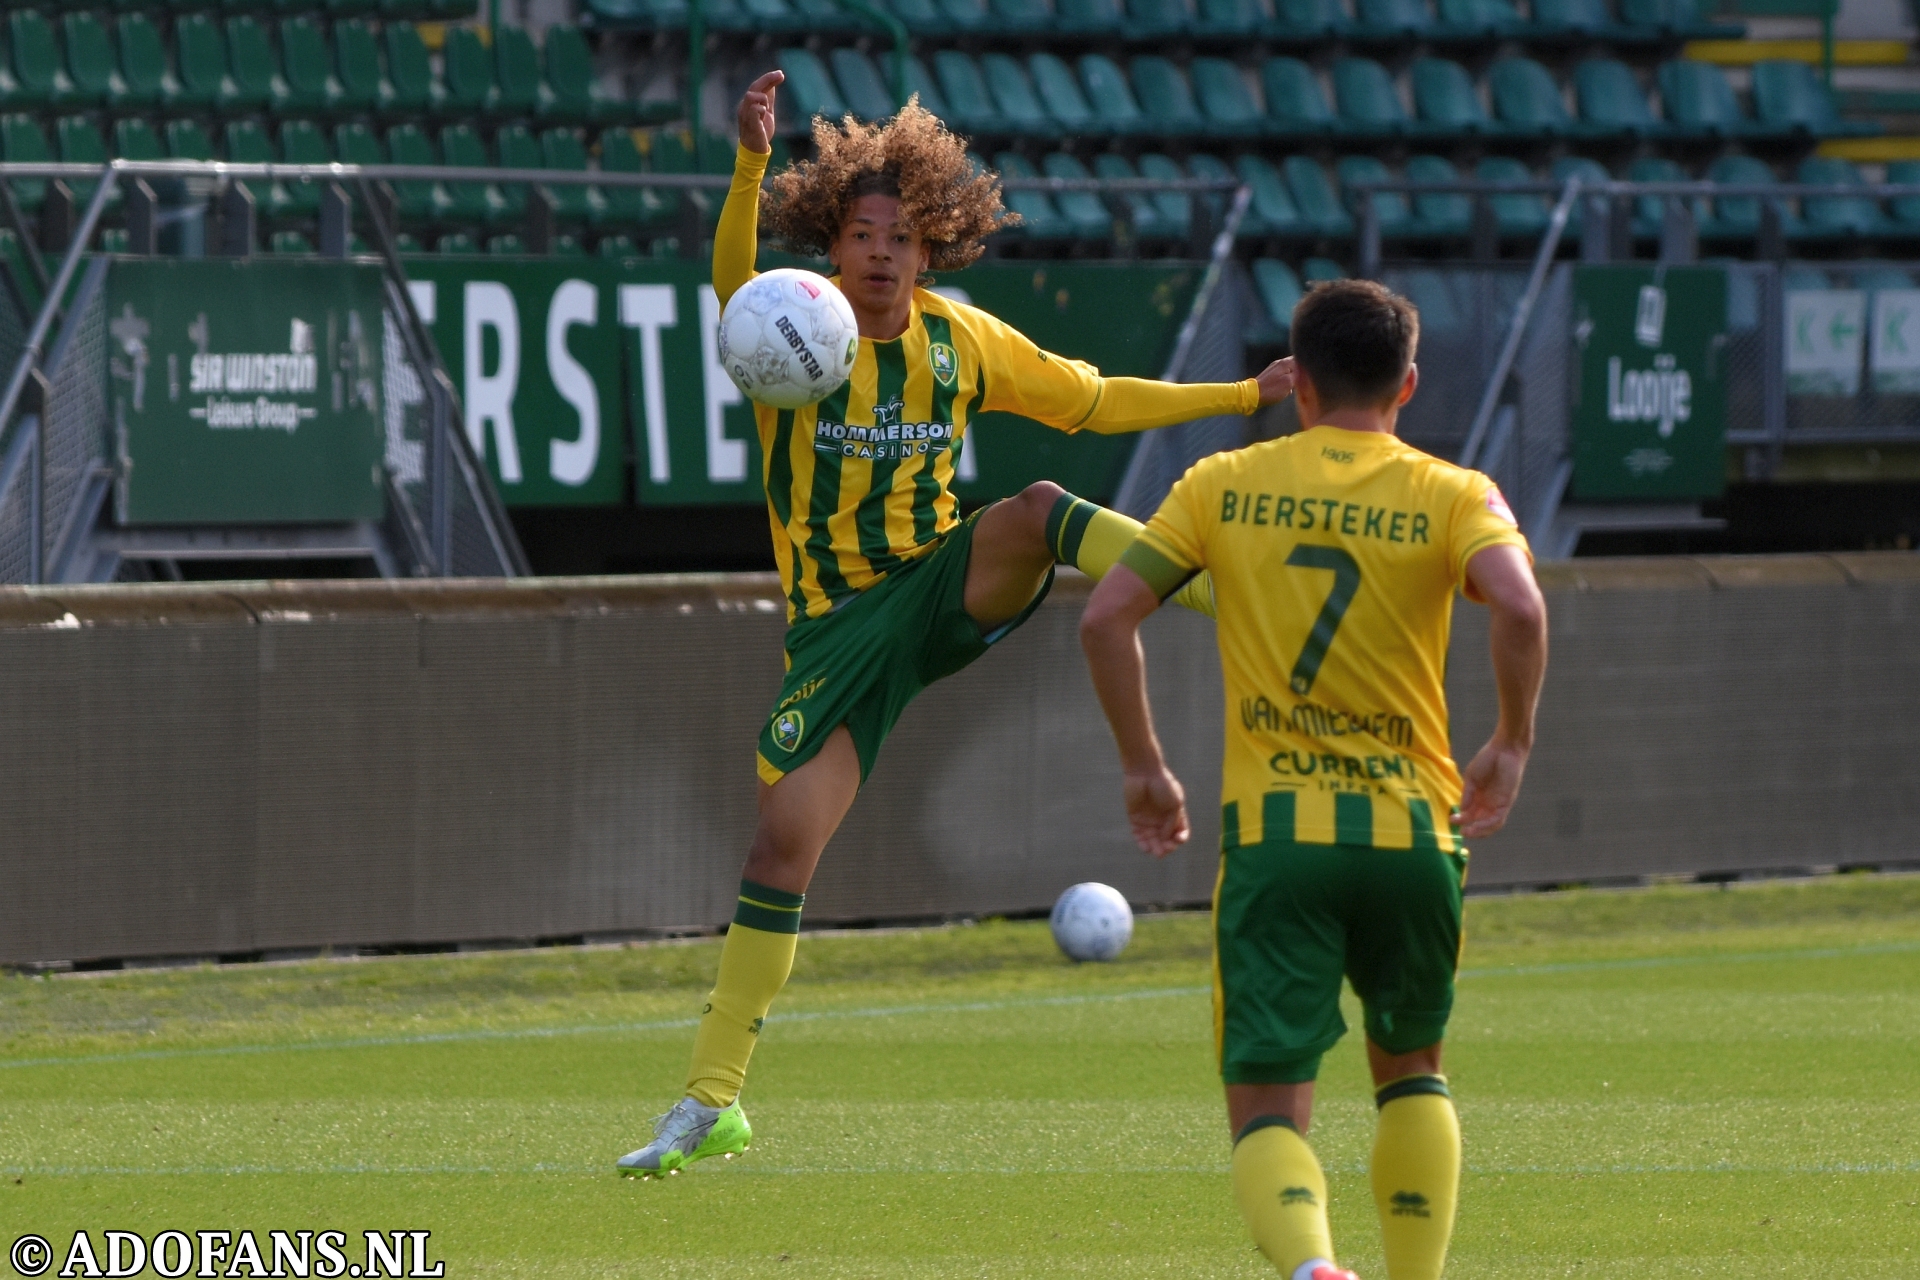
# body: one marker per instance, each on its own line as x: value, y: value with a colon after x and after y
x: 245, y: 393
x: 569, y: 370
x: 1649, y: 407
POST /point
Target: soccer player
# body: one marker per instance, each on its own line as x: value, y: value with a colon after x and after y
x: 887, y: 588
x: 1334, y: 555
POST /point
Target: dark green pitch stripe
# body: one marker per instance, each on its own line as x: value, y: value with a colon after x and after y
x: 780, y: 494
x: 926, y: 485
x: 1412, y: 1086
x: 870, y: 519
x: 824, y: 500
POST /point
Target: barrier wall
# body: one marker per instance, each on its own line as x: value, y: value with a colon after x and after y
x: 202, y: 770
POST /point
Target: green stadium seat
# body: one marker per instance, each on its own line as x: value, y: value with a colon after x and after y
x: 474, y: 202
x: 1676, y: 19
x: 255, y: 72
x: 311, y: 84
x: 1833, y: 217
x: 1060, y: 94
x: 39, y: 79
x: 1365, y: 100
x: 1279, y: 291
x: 468, y: 63
x: 417, y: 200
x: 1439, y: 213
x: 1272, y: 211
x: 1175, y: 207
x: 1391, y: 207
x: 1110, y: 96
x: 1315, y: 197
x: 186, y: 140
x: 923, y: 17
x: 456, y: 244
x: 1021, y: 15
x: 1528, y: 100
x: 1789, y: 97
x: 1296, y: 105
x: 147, y: 79
x: 1906, y: 209
x: 771, y: 16
x: 301, y: 142
x: 1143, y: 216
x: 1514, y: 214
x: 1580, y: 17
x: 1216, y: 18
x: 416, y: 89
x: 134, y: 139
x: 1157, y: 19
x: 1487, y: 19
x: 1650, y: 211
x: 827, y: 15
x: 810, y: 89
x: 1013, y: 94
x: 1094, y: 17
x: 1212, y: 168
x: 200, y: 51
x: 515, y: 148
x: 967, y: 15
x: 1434, y: 294
x: 364, y: 86
x: 672, y: 151
x: 1735, y: 217
x: 562, y: 149
x: 966, y: 93
x: 1393, y: 18
x: 1039, y: 219
x: 1165, y: 97
x: 1225, y: 98
x: 1297, y: 18
x: 861, y: 85
x: 1320, y: 270
x: 1696, y: 99
x: 523, y: 89
x: 357, y: 144
x: 575, y: 91
x: 1083, y: 209
x: 1446, y: 101
x: 22, y: 142
x: 288, y: 243
x: 619, y: 246
x: 80, y: 143
x: 90, y: 62
x: 1612, y: 101
x: 920, y: 82
x: 639, y: 206
x: 1588, y: 171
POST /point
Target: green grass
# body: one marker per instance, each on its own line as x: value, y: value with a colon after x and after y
x: 1661, y: 1083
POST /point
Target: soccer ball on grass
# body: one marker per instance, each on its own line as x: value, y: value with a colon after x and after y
x: 788, y: 338
x: 1092, y: 922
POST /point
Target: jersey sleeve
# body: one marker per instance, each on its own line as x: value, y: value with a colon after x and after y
x: 1481, y: 518
x: 736, y: 238
x: 1172, y: 547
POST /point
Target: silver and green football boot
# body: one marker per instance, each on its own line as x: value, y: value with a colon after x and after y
x: 691, y: 1131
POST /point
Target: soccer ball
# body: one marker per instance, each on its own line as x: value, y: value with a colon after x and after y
x: 1092, y: 922
x: 788, y: 339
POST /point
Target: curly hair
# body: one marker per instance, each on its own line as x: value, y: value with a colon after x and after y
x: 943, y: 196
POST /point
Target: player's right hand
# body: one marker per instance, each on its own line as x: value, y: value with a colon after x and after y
x: 1157, y: 811
x: 756, y: 113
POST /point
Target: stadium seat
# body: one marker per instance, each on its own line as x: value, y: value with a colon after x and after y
x: 1906, y: 209
x: 1310, y: 18
x: 1434, y: 293
x: 1093, y: 17
x: 186, y: 140
x: 1083, y: 209
x: 574, y: 92
x: 650, y: 207
x: 301, y: 142
x: 1582, y: 17
x: 1039, y: 220
x: 90, y: 63
x: 1738, y: 217
x: 516, y: 148
x: 810, y: 88
x: 1141, y: 212
x: 80, y: 143
x: 1157, y: 19
x: 1110, y: 96
x: 516, y: 68
x: 148, y: 80
x: 1391, y: 207
x: 966, y: 93
x: 134, y: 139
x: 1272, y: 211
x: 921, y: 83
x: 1013, y: 94
x: 255, y: 72
x: 1365, y: 99
x: 1225, y: 99
x: 1176, y: 207
x: 1166, y: 97
x: 1315, y: 197
x: 22, y: 142
x: 1279, y: 291
x: 1514, y: 214
x: 1649, y: 211
x: 472, y: 202
x: 1229, y: 18
x: 1013, y: 16
x: 861, y: 85
x: 1060, y: 93
x: 1676, y: 19
x: 1445, y: 98
x: 1213, y: 169
x: 562, y: 149
x: 311, y: 84
x: 1527, y: 99
x: 363, y: 83
x: 39, y: 79
x: 1296, y: 105
x: 416, y: 89
x: 1439, y: 213
x: 418, y: 201
x: 468, y: 66
x: 1612, y: 101
x: 357, y: 144
x: 967, y: 15
x: 1789, y: 97
x: 1696, y: 99
x: 1316, y: 270
x: 1386, y: 19
x: 1830, y: 217
x: 1486, y: 19
x: 1588, y: 171
x: 200, y: 50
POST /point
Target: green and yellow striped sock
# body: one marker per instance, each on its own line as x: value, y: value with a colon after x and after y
x: 1416, y: 1174
x: 754, y: 964
x: 1092, y: 539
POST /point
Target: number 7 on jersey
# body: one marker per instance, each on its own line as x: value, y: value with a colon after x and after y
x: 1346, y: 581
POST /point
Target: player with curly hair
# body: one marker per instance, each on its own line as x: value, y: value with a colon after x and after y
x: 887, y: 588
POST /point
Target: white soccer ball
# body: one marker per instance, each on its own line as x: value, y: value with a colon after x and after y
x: 788, y: 338
x: 1092, y: 922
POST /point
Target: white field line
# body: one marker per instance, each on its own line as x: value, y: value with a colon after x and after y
x: 747, y: 1168
x: 917, y: 1010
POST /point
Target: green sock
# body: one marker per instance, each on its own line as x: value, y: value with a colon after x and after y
x: 1092, y: 539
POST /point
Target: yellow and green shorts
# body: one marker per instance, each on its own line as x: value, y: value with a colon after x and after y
x: 1291, y: 919
x: 863, y: 663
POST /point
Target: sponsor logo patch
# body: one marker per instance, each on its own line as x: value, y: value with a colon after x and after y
x: 945, y: 362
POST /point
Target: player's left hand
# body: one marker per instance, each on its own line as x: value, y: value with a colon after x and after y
x: 1276, y: 382
x: 1492, y: 785
x: 1157, y: 810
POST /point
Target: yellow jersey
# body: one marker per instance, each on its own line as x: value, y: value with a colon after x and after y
x: 1335, y: 556
x: 861, y: 483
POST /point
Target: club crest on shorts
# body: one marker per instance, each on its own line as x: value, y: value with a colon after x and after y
x: 945, y: 361
x: 788, y: 728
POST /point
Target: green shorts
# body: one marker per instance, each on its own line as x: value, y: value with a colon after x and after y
x: 1291, y: 919
x: 863, y: 663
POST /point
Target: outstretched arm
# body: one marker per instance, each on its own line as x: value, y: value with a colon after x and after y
x: 1136, y: 404
x: 1110, y: 635
x: 735, y: 243
x: 1503, y: 578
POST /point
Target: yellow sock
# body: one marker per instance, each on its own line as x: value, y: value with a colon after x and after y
x: 754, y: 964
x: 1282, y: 1194
x: 1416, y: 1175
x: 1092, y: 539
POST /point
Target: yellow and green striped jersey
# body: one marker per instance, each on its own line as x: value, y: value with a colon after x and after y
x: 860, y: 483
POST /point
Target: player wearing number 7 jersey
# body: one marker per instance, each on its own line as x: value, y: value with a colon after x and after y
x: 1335, y: 554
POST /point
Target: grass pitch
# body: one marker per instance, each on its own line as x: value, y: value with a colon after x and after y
x: 1661, y: 1083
